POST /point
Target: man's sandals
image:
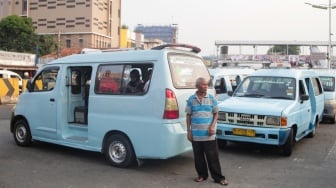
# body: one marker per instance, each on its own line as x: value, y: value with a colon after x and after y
x: 223, y: 182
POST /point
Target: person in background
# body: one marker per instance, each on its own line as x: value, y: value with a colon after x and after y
x: 148, y: 81
x: 135, y: 85
x: 107, y: 84
x: 202, y: 113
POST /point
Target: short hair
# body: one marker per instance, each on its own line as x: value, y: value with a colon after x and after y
x: 199, y: 80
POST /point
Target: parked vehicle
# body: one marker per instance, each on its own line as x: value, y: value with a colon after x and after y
x: 327, y: 78
x: 227, y: 79
x: 6, y: 74
x: 85, y: 101
x: 274, y: 107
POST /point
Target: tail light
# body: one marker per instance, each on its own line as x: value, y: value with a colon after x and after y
x: 171, y: 107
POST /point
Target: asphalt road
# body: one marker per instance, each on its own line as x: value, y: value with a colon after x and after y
x: 43, y: 165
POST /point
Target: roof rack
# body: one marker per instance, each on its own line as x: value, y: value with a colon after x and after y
x: 178, y: 45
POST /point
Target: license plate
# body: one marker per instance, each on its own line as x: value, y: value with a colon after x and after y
x: 244, y: 132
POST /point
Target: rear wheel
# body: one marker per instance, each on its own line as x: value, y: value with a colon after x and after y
x: 119, y: 151
x: 333, y: 120
x: 21, y: 133
x: 289, y: 144
x: 313, y: 132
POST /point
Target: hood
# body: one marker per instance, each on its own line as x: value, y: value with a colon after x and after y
x: 260, y: 106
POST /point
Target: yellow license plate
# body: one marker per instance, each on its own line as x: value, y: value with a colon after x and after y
x: 243, y: 132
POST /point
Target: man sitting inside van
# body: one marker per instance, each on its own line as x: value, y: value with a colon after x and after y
x: 135, y: 85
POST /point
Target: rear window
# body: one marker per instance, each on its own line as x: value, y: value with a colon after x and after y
x: 186, y: 69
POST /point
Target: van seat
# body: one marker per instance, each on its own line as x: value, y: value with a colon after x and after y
x: 80, y: 114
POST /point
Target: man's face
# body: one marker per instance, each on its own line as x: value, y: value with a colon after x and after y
x: 202, y: 86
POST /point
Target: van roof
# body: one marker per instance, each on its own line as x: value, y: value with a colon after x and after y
x: 294, y: 73
x: 230, y: 71
x: 121, y: 56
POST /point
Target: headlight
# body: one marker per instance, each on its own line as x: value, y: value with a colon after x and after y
x: 222, y: 116
x: 273, y: 120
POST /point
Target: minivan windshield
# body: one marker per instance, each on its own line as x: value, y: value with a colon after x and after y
x: 267, y: 87
x: 328, y: 83
x: 186, y: 69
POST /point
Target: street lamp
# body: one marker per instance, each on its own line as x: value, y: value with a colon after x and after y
x: 325, y: 7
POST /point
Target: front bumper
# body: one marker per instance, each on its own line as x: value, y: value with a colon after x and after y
x: 263, y: 135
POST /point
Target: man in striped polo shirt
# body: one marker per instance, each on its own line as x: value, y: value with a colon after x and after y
x: 202, y: 113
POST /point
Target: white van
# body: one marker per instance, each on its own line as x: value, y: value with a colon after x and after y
x: 227, y: 79
x: 85, y: 101
x: 6, y: 74
x: 328, y: 80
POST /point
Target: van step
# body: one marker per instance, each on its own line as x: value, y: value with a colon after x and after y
x: 77, y: 138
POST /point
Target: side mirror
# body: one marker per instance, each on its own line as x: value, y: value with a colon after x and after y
x: 304, y: 97
x: 230, y: 93
x: 29, y: 85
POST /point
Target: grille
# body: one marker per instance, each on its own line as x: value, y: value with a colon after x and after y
x: 243, y: 119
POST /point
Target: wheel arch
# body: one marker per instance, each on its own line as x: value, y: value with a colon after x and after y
x: 114, y: 132
x: 15, y: 119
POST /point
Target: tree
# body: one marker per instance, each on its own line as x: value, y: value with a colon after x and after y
x: 17, y: 34
x: 46, y: 44
x: 292, y: 49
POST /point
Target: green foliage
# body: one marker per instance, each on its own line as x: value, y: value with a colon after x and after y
x: 282, y: 49
x: 17, y: 34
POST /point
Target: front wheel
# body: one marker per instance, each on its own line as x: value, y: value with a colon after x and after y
x: 119, y: 151
x: 22, y: 135
x: 289, y: 144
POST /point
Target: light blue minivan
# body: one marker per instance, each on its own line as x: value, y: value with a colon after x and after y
x: 97, y: 102
x: 274, y: 107
x: 327, y: 77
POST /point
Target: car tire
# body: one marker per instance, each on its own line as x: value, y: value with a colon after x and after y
x: 289, y: 144
x: 119, y: 151
x: 221, y: 143
x: 313, y: 132
x: 21, y: 133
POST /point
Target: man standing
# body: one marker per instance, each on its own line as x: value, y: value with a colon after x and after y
x: 202, y: 113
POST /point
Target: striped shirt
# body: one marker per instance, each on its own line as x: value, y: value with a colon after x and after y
x: 201, y: 116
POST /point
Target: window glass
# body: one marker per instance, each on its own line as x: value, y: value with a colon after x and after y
x: 186, y: 69
x: 317, y: 87
x: 109, y: 79
x: 328, y: 83
x: 46, y: 80
x: 126, y: 79
x: 267, y: 87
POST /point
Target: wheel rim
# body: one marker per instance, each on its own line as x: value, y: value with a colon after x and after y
x: 21, y: 133
x: 117, y: 152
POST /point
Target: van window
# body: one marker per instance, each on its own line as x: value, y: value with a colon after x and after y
x: 186, y: 69
x: 328, y: 83
x: 317, y: 86
x: 45, y: 80
x: 125, y: 79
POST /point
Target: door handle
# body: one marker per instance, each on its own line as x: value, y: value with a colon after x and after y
x: 52, y: 100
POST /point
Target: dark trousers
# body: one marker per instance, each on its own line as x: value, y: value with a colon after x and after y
x: 206, y: 156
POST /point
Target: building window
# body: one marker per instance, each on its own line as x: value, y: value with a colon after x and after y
x: 68, y: 43
x: 81, y: 43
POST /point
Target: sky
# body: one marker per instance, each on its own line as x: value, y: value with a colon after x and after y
x: 201, y: 23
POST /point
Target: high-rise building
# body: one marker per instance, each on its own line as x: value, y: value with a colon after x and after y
x: 167, y: 33
x: 73, y: 23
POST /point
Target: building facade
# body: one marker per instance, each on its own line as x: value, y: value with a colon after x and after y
x: 73, y: 23
x: 166, y: 33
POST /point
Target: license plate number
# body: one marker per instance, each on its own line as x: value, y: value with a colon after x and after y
x: 244, y: 132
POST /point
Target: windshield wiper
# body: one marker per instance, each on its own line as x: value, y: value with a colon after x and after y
x: 253, y: 95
